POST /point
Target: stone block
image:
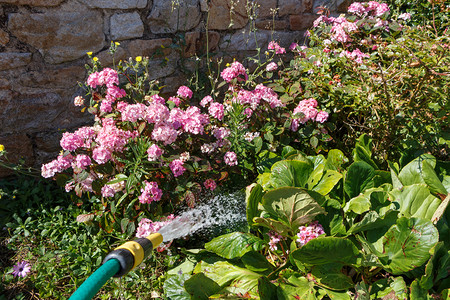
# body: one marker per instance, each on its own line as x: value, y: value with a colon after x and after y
x: 171, y: 85
x: 196, y: 43
x: 223, y: 15
x: 4, y: 37
x: 116, y: 4
x: 272, y: 24
x: 59, y: 35
x: 266, y: 8
x: 64, y: 77
x: 290, y: 7
x: 12, y: 60
x: 106, y: 59
x: 244, y: 41
x: 150, y: 48
x: 126, y: 26
x: 169, y: 17
x: 17, y: 146
x: 160, y: 68
x: 33, y: 2
x: 301, y: 22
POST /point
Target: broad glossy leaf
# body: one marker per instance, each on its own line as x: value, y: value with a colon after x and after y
x: 264, y: 181
x: 300, y: 288
x: 361, y: 154
x: 359, y: 177
x: 292, y: 205
x: 407, y: 244
x: 266, y: 289
x: 328, y: 182
x: 256, y: 262
x: 358, y: 205
x: 335, y: 160
x: 201, y: 287
x: 253, y: 197
x: 372, y: 220
x: 173, y: 287
x: 380, y: 289
x: 293, y: 173
x: 417, y: 292
x: 415, y: 201
x: 330, y: 276
x: 315, y: 177
x: 234, y: 244
x: 274, y: 225
x: 335, y: 295
x: 325, y: 250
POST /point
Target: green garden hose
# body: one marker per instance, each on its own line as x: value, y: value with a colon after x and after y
x: 118, y: 263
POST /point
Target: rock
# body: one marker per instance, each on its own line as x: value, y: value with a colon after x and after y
x: 169, y: 17
x: 290, y: 7
x: 196, y: 43
x: 150, y: 48
x: 244, y: 41
x: 126, y: 26
x: 106, y: 59
x: 204, y: 5
x: 272, y: 24
x: 171, y: 85
x: 4, y: 37
x: 17, y: 145
x: 301, y: 22
x: 33, y: 2
x: 285, y: 39
x: 219, y: 15
x: 12, y: 60
x: 59, y: 35
x: 266, y: 8
x: 160, y: 68
x: 116, y: 4
x: 342, y: 5
x: 319, y: 4
x: 53, y: 78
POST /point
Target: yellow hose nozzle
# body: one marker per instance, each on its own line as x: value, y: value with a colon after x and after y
x: 155, y: 238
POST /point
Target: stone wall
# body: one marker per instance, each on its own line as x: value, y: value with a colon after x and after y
x: 43, y: 45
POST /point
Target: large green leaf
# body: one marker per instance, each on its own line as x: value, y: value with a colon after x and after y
x: 290, y: 173
x: 358, y: 204
x: 201, y: 287
x: 292, y: 205
x: 330, y: 276
x: 234, y: 244
x: 266, y: 289
x: 315, y: 176
x: 359, y: 177
x: 421, y: 170
x: 325, y: 250
x: 415, y: 201
x: 299, y: 288
x: 372, y: 220
x: 254, y: 194
x: 363, y: 151
x: 407, y: 244
x: 335, y: 160
x: 173, y: 287
x: 256, y: 262
x: 328, y: 182
x: 226, y: 274
x: 274, y: 225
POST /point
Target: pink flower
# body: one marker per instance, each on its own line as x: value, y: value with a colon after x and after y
x: 307, y: 233
x: 147, y: 226
x: 293, y: 46
x: 150, y: 192
x: 78, y: 101
x: 154, y: 152
x: 234, y: 71
x: 157, y: 99
x: 71, y: 141
x: 134, y: 112
x: 230, y: 158
x: 21, y: 269
x: 101, y: 155
x: 82, y: 161
x: 56, y: 166
x: 206, y: 100
x: 184, y: 92
x: 164, y: 133
x: 322, y: 116
x: 108, y: 191
x: 274, y: 46
x: 176, y: 166
x: 210, y: 184
x: 275, y: 238
x: 271, y: 67
x: 175, y: 100
x: 157, y: 112
x: 193, y: 121
x: 216, y: 110
x: 221, y: 133
x: 248, y: 112
x: 405, y: 16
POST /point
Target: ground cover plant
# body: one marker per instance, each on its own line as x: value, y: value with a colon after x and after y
x: 362, y: 227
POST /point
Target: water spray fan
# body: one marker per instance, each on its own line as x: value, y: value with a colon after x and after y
x: 117, y: 263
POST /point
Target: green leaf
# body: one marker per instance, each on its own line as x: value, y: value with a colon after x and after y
x: 330, y: 276
x: 417, y: 292
x: 300, y: 288
x: 290, y: 173
x: 274, y: 225
x: 415, y: 201
x: 335, y: 160
x: 294, y: 206
x: 328, y: 182
x: 173, y: 287
x: 266, y: 289
x: 315, y: 176
x: 372, y: 220
x: 254, y: 194
x: 407, y: 244
x: 361, y: 154
x: 358, y: 178
x: 234, y: 244
x: 358, y: 205
x: 325, y: 250
x: 201, y: 287
x: 256, y: 262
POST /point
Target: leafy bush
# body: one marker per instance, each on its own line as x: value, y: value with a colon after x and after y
x: 326, y: 229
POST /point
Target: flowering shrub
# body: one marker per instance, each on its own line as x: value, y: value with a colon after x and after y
x: 145, y: 153
x: 373, y: 74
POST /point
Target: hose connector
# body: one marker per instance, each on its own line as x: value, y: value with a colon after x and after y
x: 132, y: 253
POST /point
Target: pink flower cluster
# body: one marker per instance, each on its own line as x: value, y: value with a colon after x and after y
x: 274, y: 46
x: 275, y: 238
x: 271, y: 67
x: 307, y: 233
x: 230, y: 158
x: 341, y: 28
x: 109, y: 190
x: 355, y: 55
x: 371, y: 9
x: 154, y: 152
x: 216, y: 110
x: 150, y: 192
x: 58, y: 165
x: 210, y: 184
x: 176, y: 166
x: 110, y: 79
x: 147, y: 226
x: 307, y: 111
x: 253, y: 98
x: 234, y: 71
x: 184, y: 92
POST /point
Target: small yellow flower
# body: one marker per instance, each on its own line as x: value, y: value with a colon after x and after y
x: 117, y: 43
x: 95, y: 58
x: 139, y: 58
x: 2, y: 148
x: 89, y: 53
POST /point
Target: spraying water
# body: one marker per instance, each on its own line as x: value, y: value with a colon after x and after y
x: 222, y: 210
